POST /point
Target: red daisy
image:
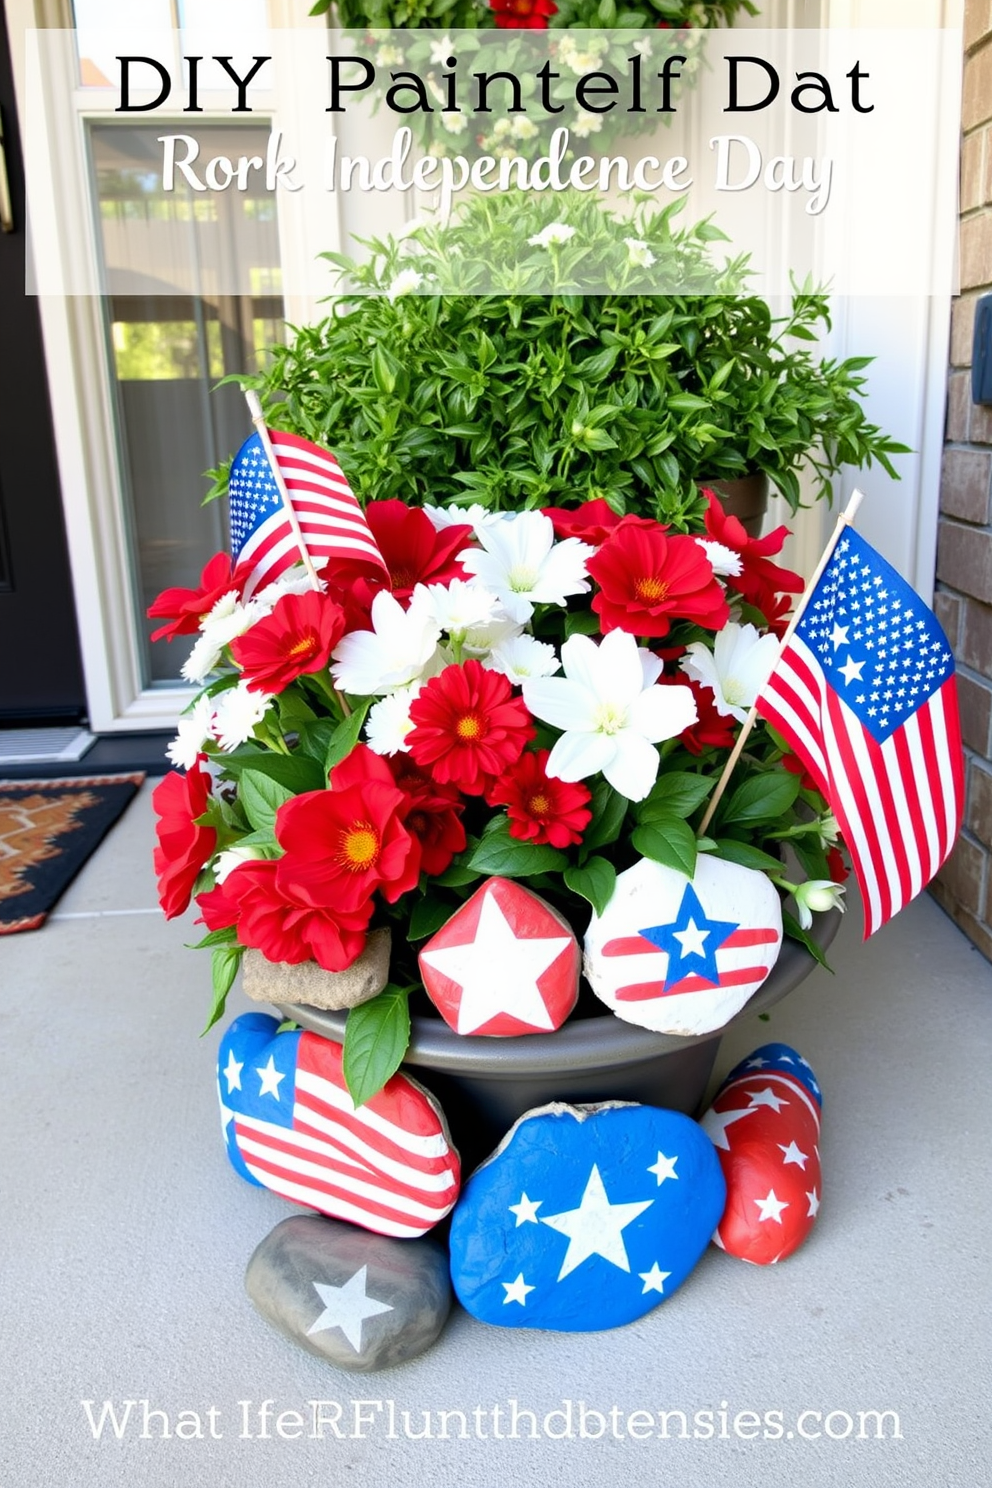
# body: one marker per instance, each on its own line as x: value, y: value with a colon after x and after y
x: 275, y: 920
x: 592, y: 522
x: 467, y: 726
x: 522, y: 15
x: 297, y: 637
x: 648, y: 579
x: 185, y: 608
x: 183, y: 847
x: 540, y: 808
x: 344, y: 844
x: 434, y: 815
x: 760, y: 580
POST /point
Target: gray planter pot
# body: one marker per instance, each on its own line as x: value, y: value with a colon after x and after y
x: 485, y: 1084
x: 745, y: 498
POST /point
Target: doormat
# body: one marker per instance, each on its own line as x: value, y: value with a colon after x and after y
x: 48, y: 829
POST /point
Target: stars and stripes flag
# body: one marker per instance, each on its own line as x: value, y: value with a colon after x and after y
x: 864, y: 693
x: 331, y: 521
x: 291, y: 1126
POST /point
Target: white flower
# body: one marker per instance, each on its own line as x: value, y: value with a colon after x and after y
x: 295, y: 580
x: 524, y: 128
x: 612, y: 714
x: 521, y: 562
x: 237, y: 712
x: 394, y: 653
x: 639, y: 253
x: 459, y: 606
x: 474, y: 516
x: 228, y: 619
x: 388, y: 721
x: 454, y: 123
x: 554, y: 233
x: 406, y: 282
x: 736, y: 669
x: 522, y: 657
x: 817, y: 895
x: 586, y: 124
x: 233, y: 857
x: 195, y: 728
x: 828, y: 830
x: 479, y: 640
x: 389, y: 56
x: 441, y: 51
x: 725, y: 562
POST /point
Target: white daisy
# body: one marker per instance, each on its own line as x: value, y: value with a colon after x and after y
x: 237, y: 711
x: 551, y: 236
x: 736, y: 669
x: 639, y: 253
x: 394, y: 653
x: 726, y: 563
x: 474, y: 516
x: 520, y: 561
x: 194, y: 729
x: 388, y: 721
x: 522, y: 657
x: 459, y: 606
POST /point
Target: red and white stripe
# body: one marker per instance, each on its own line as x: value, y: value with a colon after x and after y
x: 331, y: 521
x: 738, y: 961
x: 360, y: 1164
x: 898, y: 804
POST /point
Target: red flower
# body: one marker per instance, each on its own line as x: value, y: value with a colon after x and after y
x: 297, y: 637
x: 795, y: 766
x: 185, y: 608
x: 414, y: 551
x: 345, y: 844
x: 647, y: 579
x: 591, y: 523
x: 711, y: 730
x: 540, y: 808
x: 434, y: 815
x: 836, y: 866
x: 275, y: 920
x: 183, y: 847
x: 467, y: 726
x: 219, y: 911
x: 760, y: 580
x: 522, y: 15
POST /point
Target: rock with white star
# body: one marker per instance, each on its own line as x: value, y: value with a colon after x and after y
x: 585, y: 1217
x: 290, y: 1125
x: 361, y: 1302
x: 683, y: 956
x: 505, y: 963
x: 765, y: 1126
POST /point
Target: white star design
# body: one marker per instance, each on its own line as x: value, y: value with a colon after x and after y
x: 270, y: 1078
x: 654, y: 1280
x: 595, y: 1227
x: 497, y: 972
x: 664, y: 1168
x: 756, y: 1063
x: 814, y: 1205
x: 346, y: 1307
x: 839, y: 636
x: 771, y: 1207
x: 792, y: 1154
x: 516, y: 1291
x: 767, y: 1097
x: 715, y: 1124
x: 232, y: 1072
x: 851, y: 671
x: 691, y: 940
x: 526, y: 1210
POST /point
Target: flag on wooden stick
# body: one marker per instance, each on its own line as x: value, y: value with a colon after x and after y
x: 289, y: 500
x: 864, y: 693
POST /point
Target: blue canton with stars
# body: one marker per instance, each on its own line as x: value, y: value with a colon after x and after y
x: 251, y: 1086
x: 880, y: 647
x: 782, y: 1059
x: 254, y: 495
x: 691, y: 941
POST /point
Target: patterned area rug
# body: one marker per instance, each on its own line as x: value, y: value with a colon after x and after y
x: 48, y: 829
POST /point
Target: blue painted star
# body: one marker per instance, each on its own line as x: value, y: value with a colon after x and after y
x: 691, y: 941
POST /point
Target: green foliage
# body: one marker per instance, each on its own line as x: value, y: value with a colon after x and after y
x: 376, y: 1036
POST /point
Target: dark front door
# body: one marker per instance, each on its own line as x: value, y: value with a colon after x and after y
x: 40, y: 670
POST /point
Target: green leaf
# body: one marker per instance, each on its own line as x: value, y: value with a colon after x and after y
x: 795, y: 931
x: 376, y: 1036
x: 456, y: 876
x: 225, y: 961
x: 762, y: 798
x: 227, y: 936
x: 315, y: 739
x: 261, y: 798
x: 499, y: 853
x: 384, y: 370
x: 676, y: 794
x: 670, y: 842
x: 747, y: 856
x: 428, y: 915
x: 294, y: 771
x: 609, y: 808
x: 345, y: 736
x: 595, y: 881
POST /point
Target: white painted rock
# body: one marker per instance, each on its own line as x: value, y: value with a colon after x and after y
x: 680, y: 956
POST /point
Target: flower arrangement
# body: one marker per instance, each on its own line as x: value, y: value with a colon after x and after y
x: 531, y: 14
x: 544, y: 695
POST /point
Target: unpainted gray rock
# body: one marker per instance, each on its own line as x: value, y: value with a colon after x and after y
x: 276, y: 982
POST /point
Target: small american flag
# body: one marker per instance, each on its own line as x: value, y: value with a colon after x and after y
x: 331, y: 521
x: 865, y: 695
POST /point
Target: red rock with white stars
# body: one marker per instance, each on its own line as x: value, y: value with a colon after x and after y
x: 505, y: 963
x: 765, y: 1126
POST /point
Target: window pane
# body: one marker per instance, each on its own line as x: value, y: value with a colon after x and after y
x: 107, y: 29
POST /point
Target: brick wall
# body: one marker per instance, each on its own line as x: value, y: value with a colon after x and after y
x: 964, y: 545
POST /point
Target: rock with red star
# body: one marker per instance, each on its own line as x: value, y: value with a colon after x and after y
x: 680, y: 955
x: 765, y: 1126
x: 505, y: 963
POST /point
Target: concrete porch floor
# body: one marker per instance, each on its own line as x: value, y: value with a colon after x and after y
x: 126, y: 1236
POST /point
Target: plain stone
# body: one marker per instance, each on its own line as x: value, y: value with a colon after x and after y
x: 267, y: 981
x: 392, y: 1313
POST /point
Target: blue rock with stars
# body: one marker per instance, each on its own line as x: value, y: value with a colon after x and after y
x: 585, y: 1217
x: 778, y: 1059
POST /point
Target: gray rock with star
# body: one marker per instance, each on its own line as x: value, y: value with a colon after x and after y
x: 360, y: 1301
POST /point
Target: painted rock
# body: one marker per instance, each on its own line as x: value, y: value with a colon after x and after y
x: 360, y: 1301
x: 290, y: 1125
x: 765, y: 1126
x: 505, y: 963
x: 680, y: 956
x: 585, y: 1217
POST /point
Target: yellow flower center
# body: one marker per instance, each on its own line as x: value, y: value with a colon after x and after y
x: 304, y: 648
x: 651, y: 590
x: 359, y: 846
x: 539, y: 805
x: 610, y: 719
x: 469, y: 726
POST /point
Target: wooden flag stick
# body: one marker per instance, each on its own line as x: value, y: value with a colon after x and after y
x: 255, y: 409
x: 845, y: 519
